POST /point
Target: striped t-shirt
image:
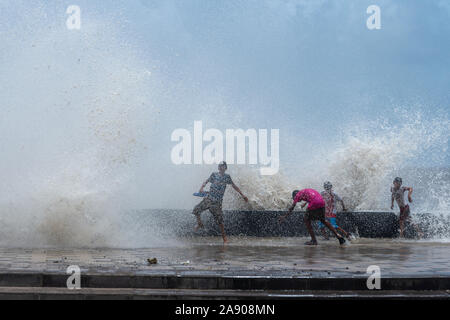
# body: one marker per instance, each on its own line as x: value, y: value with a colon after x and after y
x: 330, y: 199
x: 218, y: 185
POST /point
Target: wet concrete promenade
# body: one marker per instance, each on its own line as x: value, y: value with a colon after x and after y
x: 242, y: 255
x: 251, y: 264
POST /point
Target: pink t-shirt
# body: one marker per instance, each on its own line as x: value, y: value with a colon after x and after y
x: 314, y: 199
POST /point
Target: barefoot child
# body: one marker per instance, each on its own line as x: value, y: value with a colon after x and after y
x: 213, y: 201
x: 331, y: 199
x: 315, y: 211
x: 398, y: 195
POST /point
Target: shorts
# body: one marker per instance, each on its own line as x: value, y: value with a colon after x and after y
x: 214, y: 207
x: 316, y: 214
x: 330, y: 220
x: 404, y: 213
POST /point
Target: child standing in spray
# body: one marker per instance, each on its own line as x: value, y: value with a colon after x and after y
x: 331, y: 199
x: 398, y: 194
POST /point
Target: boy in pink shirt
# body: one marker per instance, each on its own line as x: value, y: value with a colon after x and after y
x: 315, y: 211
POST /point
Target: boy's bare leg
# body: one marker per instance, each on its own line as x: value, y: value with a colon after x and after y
x: 202, y: 206
x: 402, y: 227
x: 310, y: 230
x: 224, y: 236
x: 199, y: 223
x: 329, y: 226
x: 217, y: 213
x: 343, y: 232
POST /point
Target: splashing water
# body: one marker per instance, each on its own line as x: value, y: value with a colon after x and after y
x: 361, y: 168
x: 77, y: 116
x: 263, y: 192
x: 71, y: 122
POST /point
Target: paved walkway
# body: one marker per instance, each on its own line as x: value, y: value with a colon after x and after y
x: 243, y: 256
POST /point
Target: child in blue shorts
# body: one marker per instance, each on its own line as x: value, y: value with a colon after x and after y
x: 331, y: 199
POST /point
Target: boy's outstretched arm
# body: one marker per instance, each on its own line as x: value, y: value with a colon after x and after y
x: 410, y: 191
x: 291, y: 208
x: 392, y: 202
x: 235, y: 187
x: 343, y: 205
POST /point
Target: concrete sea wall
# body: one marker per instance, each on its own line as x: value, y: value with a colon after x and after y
x: 266, y: 224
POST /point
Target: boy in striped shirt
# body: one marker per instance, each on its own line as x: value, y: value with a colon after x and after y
x: 331, y: 199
